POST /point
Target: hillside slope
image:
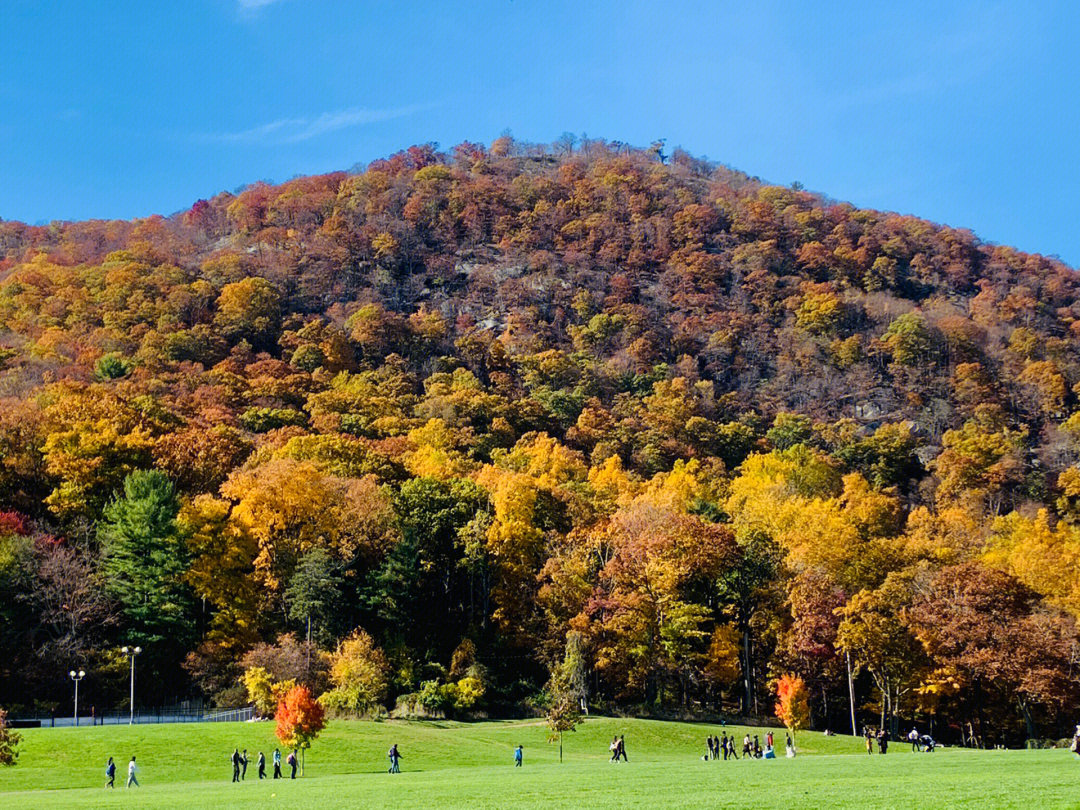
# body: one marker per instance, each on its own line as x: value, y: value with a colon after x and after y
x: 492, y: 394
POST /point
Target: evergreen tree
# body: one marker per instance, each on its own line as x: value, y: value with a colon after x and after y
x: 421, y: 593
x: 314, y: 595
x: 144, y: 561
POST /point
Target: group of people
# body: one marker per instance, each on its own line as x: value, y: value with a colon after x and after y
x: 718, y: 747
x: 723, y: 747
x: 618, y: 749
x: 920, y: 742
x: 239, y: 762
x: 110, y: 774
x: 880, y: 736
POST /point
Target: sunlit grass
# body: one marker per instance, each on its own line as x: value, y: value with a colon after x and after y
x: 456, y: 765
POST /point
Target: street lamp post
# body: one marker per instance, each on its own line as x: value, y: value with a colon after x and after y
x: 76, y: 676
x: 131, y: 652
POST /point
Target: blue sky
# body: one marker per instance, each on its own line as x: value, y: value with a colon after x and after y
x: 965, y: 113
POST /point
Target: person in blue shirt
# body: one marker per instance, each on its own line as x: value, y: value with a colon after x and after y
x: 518, y: 756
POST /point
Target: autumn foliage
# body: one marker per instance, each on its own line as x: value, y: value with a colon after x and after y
x: 792, y: 704
x: 299, y: 719
x: 489, y: 398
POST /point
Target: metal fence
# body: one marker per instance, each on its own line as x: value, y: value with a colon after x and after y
x: 155, y: 715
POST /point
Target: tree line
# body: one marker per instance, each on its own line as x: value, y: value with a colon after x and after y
x: 457, y: 430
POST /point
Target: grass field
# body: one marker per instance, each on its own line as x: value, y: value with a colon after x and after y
x: 469, y: 765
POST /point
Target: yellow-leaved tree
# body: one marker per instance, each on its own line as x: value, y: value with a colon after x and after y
x: 359, y: 671
x: 263, y: 691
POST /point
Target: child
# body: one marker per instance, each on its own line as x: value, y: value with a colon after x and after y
x: 518, y: 756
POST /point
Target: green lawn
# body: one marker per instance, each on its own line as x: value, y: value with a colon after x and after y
x: 469, y: 765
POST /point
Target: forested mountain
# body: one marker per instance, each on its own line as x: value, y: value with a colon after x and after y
x: 489, y: 414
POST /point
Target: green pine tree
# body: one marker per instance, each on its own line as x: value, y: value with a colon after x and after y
x: 314, y: 594
x: 144, y: 561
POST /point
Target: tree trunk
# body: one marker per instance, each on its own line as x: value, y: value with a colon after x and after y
x: 748, y: 676
x: 824, y: 706
x: 978, y: 714
x: 1028, y: 722
x: 851, y: 695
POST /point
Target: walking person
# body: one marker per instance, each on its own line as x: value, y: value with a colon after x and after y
x: 291, y: 762
x: 913, y: 738
x: 235, y: 759
x: 110, y: 773
x: 243, y: 765
x: 869, y: 734
x: 622, y: 748
x: 131, y: 774
x: 709, y: 746
x: 519, y: 755
x: 746, y: 750
x: 614, y: 749
x: 395, y: 758
x: 883, y: 741
x: 769, y: 740
x: 723, y: 745
x: 262, y: 765
x: 731, y: 746
x: 277, y: 764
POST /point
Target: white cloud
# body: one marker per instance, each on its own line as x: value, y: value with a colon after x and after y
x: 295, y: 130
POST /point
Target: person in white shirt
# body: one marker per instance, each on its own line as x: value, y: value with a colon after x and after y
x: 131, y: 774
x: 913, y: 738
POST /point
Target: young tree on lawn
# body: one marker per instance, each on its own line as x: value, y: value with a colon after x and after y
x: 792, y: 703
x: 9, y: 742
x: 564, y: 714
x: 299, y: 718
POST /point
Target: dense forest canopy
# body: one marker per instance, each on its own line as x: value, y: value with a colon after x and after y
x: 506, y: 416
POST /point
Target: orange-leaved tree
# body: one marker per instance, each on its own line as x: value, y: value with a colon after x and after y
x: 299, y: 718
x: 792, y: 704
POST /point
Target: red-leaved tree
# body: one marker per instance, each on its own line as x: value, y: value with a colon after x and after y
x: 792, y: 705
x: 299, y: 718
